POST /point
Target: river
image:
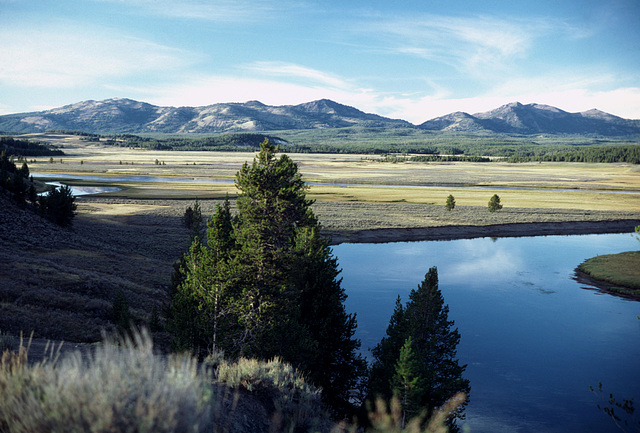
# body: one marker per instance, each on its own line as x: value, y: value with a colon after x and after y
x: 533, y: 338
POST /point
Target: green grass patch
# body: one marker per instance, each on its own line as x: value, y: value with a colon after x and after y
x: 621, y: 269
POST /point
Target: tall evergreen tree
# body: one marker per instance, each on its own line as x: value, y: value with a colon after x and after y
x: 433, y: 342
x: 407, y: 384
x: 202, y: 301
x: 59, y: 205
x: 266, y: 284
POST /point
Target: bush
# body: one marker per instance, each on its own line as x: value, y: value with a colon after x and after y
x: 296, y: 403
x: 120, y: 314
x: 123, y: 386
x: 116, y: 389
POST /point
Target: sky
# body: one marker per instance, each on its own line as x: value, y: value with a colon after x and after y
x: 405, y: 59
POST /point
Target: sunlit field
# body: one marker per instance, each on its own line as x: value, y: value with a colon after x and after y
x: 553, y: 183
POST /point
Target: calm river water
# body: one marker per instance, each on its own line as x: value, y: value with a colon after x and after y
x: 533, y: 338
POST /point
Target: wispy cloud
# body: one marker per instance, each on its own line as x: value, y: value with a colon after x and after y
x: 69, y: 56
x: 209, y: 10
x: 294, y: 72
x: 469, y: 44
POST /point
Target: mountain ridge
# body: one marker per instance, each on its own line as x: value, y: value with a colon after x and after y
x: 517, y: 118
x: 122, y: 115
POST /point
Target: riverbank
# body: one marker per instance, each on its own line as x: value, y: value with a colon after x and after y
x: 446, y: 233
x: 388, y: 222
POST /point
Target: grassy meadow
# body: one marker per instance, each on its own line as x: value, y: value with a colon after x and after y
x: 620, y: 273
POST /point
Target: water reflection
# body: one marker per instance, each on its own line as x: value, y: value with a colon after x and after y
x: 533, y: 338
x: 85, y: 190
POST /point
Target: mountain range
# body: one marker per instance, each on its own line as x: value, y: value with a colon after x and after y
x: 120, y: 115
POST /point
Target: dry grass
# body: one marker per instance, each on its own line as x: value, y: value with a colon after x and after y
x: 361, y: 169
x: 118, y: 388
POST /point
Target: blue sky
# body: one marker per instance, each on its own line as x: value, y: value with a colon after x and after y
x: 413, y: 60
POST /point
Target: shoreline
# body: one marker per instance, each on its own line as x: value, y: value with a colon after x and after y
x: 605, y: 286
x: 453, y: 232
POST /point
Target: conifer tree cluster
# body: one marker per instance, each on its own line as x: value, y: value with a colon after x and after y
x: 416, y: 360
x: 16, y: 180
x: 264, y: 283
x: 58, y: 205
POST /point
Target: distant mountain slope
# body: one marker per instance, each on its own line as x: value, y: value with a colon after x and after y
x: 128, y: 116
x: 516, y: 118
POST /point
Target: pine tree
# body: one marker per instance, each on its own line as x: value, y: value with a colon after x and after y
x: 451, y: 202
x: 434, y: 342
x: 266, y: 284
x: 59, y: 205
x: 386, y: 352
x: 407, y: 384
x: 201, y: 316
x: 494, y: 203
x: 272, y: 207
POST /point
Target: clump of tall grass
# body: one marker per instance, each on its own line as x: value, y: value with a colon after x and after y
x: 384, y: 420
x: 296, y: 404
x: 116, y: 388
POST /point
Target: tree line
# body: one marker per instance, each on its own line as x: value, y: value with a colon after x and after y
x: 607, y: 154
x: 225, y: 142
x: 23, y: 148
x: 262, y: 283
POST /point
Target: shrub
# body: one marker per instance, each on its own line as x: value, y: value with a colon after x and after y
x: 116, y: 388
x: 385, y: 420
x: 296, y: 403
x: 120, y: 314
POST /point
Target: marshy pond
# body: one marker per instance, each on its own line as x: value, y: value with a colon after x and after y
x: 534, y: 339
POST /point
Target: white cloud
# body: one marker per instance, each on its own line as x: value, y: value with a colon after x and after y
x: 292, y: 71
x: 470, y: 44
x: 63, y: 56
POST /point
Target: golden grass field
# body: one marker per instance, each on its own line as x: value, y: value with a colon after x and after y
x: 557, y: 185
